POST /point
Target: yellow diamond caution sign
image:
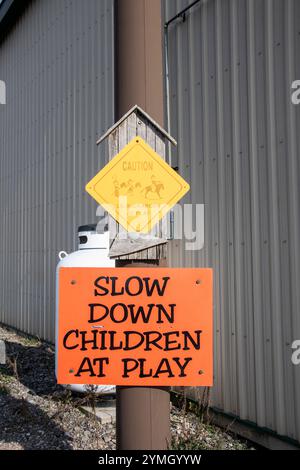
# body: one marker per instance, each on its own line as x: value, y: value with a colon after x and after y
x: 137, y: 187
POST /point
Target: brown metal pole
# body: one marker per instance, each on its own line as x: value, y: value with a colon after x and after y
x: 139, y: 57
x: 143, y: 418
x: 143, y: 413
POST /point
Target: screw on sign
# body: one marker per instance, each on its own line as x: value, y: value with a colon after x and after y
x: 135, y: 326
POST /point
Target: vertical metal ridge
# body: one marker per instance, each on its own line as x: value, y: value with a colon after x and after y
x: 257, y: 295
x: 274, y: 232
x: 208, y: 157
x: 225, y: 350
x: 238, y: 194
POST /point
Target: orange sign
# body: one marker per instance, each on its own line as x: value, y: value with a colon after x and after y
x: 135, y: 326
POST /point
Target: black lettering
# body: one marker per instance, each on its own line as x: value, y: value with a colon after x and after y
x: 187, y: 336
x: 155, y: 284
x: 92, y: 313
x: 163, y: 368
x: 129, y: 365
x: 125, y: 313
x: 139, y: 287
x: 142, y: 373
x: 85, y: 341
x: 112, y: 344
x: 156, y: 336
x: 104, y: 289
x: 102, y: 337
x: 169, y: 317
x: 114, y: 287
x: 101, y: 361
x: 182, y: 366
x: 169, y: 342
x: 67, y: 336
x: 129, y: 335
x: 86, y: 366
x: 145, y: 317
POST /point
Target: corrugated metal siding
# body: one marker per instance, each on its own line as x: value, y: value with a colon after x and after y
x: 232, y: 63
x: 57, y: 63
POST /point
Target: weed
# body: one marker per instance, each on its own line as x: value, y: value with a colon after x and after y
x: 5, y: 378
x: 31, y: 341
x: 4, y: 390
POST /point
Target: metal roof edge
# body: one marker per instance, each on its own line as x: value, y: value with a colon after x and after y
x: 4, y: 7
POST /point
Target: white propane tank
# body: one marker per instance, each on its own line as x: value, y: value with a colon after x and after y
x: 92, y: 252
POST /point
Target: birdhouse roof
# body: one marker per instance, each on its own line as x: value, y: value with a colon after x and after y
x: 136, y: 108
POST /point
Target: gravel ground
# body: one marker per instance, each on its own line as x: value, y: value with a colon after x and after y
x: 36, y: 413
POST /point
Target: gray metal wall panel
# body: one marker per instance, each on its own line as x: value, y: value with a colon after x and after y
x: 57, y: 63
x: 232, y: 63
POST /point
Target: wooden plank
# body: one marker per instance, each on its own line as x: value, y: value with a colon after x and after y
x: 134, y: 247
